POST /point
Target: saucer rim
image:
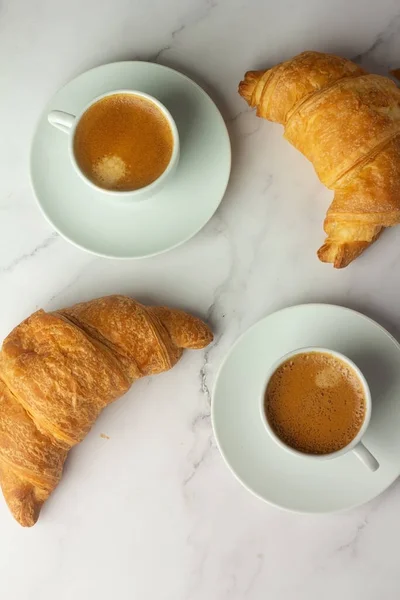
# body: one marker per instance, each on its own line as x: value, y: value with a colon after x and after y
x: 127, y: 257
x: 215, y: 427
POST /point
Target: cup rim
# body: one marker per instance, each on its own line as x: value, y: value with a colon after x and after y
x: 146, y: 190
x: 368, y: 403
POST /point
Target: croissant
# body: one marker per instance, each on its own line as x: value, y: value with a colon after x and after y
x: 59, y: 370
x: 347, y: 123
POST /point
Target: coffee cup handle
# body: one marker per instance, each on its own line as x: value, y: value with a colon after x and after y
x: 62, y: 120
x: 366, y: 457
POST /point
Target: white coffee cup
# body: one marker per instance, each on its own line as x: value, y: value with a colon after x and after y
x: 68, y: 123
x: 356, y: 445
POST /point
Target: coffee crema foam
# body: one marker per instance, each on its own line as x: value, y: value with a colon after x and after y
x: 123, y: 142
x: 315, y: 403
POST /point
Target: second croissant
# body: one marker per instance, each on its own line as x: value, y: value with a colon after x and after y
x: 59, y: 370
x: 347, y: 123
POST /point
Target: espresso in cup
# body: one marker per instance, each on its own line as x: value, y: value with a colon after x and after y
x: 123, y: 142
x: 315, y: 403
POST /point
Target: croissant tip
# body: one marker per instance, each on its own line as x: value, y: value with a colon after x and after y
x: 204, y: 339
x: 25, y: 508
x: 30, y: 522
x: 243, y: 91
x: 340, y: 255
x: 247, y: 85
x: 208, y: 338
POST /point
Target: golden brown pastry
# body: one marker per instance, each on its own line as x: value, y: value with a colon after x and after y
x: 59, y: 370
x: 347, y: 123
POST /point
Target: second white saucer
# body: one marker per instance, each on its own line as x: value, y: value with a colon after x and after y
x: 275, y: 475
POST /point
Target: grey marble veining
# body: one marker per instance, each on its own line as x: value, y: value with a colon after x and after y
x: 152, y: 512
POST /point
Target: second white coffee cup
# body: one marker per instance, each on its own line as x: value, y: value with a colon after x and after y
x: 356, y: 445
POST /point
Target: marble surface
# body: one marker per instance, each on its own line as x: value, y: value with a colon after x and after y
x: 152, y: 512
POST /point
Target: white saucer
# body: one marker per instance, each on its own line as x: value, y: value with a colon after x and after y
x: 117, y: 228
x: 271, y: 473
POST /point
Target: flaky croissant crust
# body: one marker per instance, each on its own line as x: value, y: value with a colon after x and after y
x: 347, y: 123
x: 59, y: 370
